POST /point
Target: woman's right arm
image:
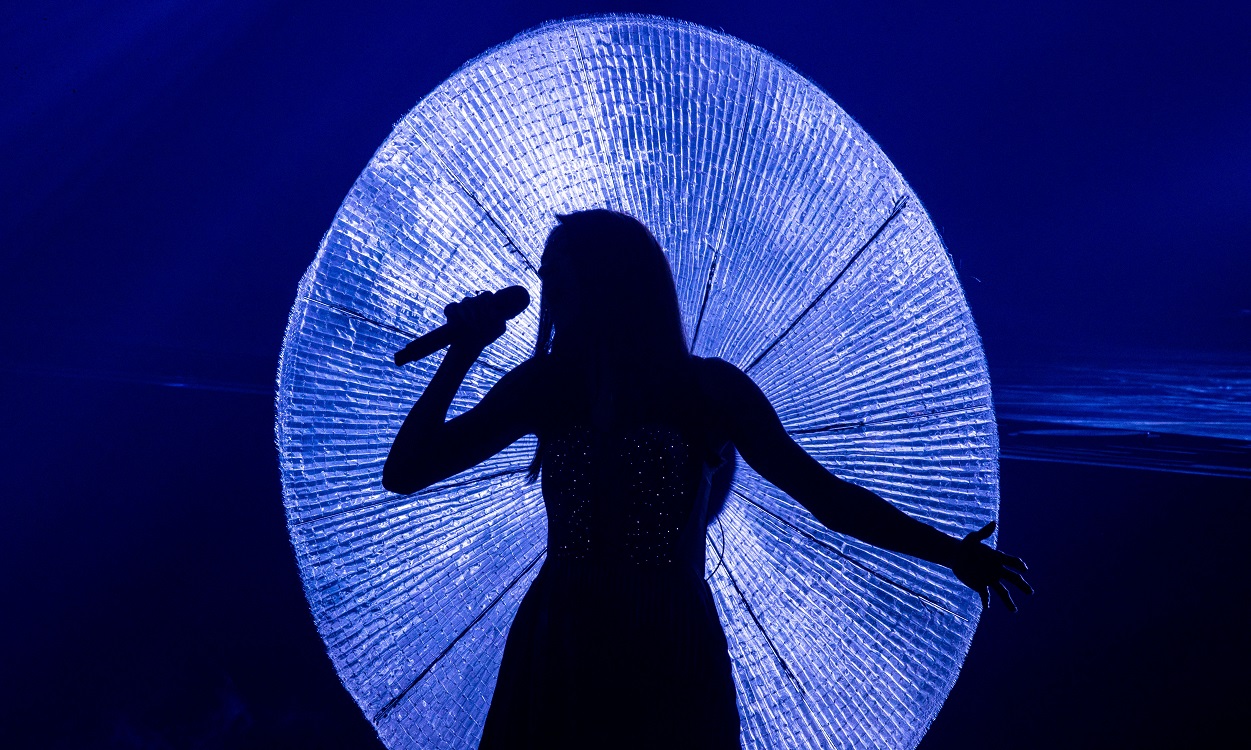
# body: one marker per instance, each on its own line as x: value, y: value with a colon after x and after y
x: 429, y: 449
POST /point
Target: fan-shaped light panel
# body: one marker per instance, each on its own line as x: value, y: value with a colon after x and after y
x: 800, y: 255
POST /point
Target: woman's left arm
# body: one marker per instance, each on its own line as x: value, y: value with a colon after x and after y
x: 758, y: 434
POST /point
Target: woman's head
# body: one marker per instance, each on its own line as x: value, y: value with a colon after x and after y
x: 607, y: 291
x: 609, y: 318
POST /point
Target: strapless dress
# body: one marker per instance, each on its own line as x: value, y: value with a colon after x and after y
x: 617, y: 643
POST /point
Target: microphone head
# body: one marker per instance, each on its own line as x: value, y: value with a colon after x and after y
x: 510, y: 301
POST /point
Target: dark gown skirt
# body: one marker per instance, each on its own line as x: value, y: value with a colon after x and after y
x: 602, y: 657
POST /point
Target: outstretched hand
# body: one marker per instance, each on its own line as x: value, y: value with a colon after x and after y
x: 983, y: 568
x: 477, y: 321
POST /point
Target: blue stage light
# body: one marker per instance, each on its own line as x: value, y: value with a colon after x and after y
x: 800, y: 255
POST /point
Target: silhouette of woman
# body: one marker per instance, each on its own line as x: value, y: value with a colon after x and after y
x: 617, y: 643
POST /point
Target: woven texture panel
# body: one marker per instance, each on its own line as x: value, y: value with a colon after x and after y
x: 800, y: 255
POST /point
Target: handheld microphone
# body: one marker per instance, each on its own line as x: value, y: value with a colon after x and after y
x: 506, y: 303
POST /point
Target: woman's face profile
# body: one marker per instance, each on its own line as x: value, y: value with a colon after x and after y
x: 560, y: 288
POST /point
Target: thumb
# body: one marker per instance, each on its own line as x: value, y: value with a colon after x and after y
x: 984, y: 533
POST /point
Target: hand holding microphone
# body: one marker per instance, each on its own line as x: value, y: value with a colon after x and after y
x: 474, y: 321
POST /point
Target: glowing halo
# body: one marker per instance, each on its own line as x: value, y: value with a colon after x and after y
x: 800, y: 255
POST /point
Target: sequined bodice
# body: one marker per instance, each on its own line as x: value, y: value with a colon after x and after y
x: 634, y: 496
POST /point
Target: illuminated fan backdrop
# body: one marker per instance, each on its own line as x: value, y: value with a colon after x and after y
x: 800, y: 255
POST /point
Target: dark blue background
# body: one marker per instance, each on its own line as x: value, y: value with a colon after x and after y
x: 168, y: 169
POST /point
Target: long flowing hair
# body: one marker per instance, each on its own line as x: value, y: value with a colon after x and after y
x: 624, y: 325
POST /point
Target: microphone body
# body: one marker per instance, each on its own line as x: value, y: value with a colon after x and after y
x: 506, y: 303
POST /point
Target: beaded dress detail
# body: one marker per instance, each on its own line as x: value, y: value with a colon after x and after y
x: 618, y: 643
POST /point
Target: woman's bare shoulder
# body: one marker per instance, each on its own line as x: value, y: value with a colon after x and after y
x: 526, y: 379
x: 520, y: 391
x: 717, y: 374
x: 722, y: 383
x: 733, y: 396
x: 530, y: 368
